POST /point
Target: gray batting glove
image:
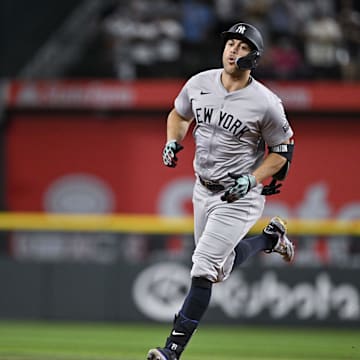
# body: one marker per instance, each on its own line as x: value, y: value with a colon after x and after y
x: 243, y: 184
x: 171, y: 148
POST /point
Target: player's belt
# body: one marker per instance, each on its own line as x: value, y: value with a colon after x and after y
x: 214, y: 186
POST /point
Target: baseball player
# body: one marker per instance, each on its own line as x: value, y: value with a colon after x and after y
x: 242, y: 138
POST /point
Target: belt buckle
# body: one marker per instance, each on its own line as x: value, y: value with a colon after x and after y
x: 206, y: 182
x: 212, y: 185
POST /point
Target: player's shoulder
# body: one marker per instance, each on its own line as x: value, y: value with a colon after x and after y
x: 265, y: 92
x: 205, y: 76
x: 270, y: 99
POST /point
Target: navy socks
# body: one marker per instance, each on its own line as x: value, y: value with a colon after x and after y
x: 250, y: 246
x: 187, y: 320
x: 197, y: 300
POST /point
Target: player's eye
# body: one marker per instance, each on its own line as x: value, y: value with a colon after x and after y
x: 245, y: 47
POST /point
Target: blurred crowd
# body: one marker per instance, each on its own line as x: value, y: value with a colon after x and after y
x: 304, y: 39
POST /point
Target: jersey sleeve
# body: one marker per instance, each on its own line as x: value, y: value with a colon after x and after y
x: 275, y: 127
x: 182, y: 102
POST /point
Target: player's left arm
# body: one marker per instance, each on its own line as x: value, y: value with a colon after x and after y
x: 276, y: 163
x: 276, y: 131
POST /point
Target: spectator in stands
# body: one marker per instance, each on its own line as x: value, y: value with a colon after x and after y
x: 282, y: 19
x: 282, y: 61
x: 173, y: 38
x: 349, y: 20
x: 142, y: 34
x: 199, y: 22
x: 322, y: 37
x: 227, y: 13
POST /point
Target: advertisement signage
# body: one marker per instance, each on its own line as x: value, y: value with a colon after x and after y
x: 76, y: 163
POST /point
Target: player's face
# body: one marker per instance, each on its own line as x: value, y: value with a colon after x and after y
x: 234, y: 48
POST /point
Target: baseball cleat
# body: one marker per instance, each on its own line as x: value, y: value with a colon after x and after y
x: 161, y: 354
x: 283, y: 246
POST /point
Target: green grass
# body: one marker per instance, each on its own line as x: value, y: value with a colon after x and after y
x: 95, y: 341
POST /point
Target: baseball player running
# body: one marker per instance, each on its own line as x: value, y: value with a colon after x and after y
x: 237, y: 121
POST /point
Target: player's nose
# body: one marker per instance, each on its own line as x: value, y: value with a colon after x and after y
x: 233, y: 50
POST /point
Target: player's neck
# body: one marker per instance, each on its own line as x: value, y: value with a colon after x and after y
x: 233, y: 83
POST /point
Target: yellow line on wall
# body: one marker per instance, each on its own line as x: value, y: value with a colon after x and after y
x: 153, y: 224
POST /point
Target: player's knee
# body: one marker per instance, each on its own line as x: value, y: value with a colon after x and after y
x: 215, y: 270
x: 203, y: 269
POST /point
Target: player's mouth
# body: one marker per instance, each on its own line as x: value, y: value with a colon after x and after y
x: 232, y: 60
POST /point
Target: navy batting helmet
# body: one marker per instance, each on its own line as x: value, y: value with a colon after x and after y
x: 251, y: 35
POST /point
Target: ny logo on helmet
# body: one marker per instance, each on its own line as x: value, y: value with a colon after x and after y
x: 241, y: 29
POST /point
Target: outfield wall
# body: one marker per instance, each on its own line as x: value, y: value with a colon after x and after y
x: 58, y: 162
x: 111, y: 164
x: 95, y: 147
x: 153, y: 292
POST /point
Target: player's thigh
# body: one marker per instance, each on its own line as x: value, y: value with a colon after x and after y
x: 226, y: 225
x: 214, y: 248
x: 221, y: 233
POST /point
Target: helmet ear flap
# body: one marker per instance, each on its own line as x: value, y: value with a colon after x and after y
x: 249, y: 61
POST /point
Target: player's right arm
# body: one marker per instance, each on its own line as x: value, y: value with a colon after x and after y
x: 177, y: 128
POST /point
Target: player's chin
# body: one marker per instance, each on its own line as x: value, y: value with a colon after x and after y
x: 231, y: 69
x: 231, y: 64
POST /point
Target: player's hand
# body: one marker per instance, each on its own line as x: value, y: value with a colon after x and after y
x: 169, y: 153
x: 243, y: 184
x: 272, y: 188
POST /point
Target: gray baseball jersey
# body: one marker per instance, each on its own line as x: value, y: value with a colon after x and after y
x: 230, y: 133
x: 231, y: 128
